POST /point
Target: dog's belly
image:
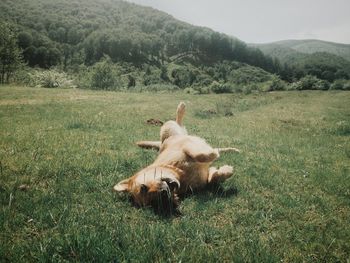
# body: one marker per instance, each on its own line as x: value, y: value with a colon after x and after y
x: 195, y: 176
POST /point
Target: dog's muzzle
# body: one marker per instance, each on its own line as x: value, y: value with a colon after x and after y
x: 170, y: 184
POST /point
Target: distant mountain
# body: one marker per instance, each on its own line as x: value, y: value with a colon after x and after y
x: 308, y: 46
x: 326, y: 60
x: 283, y: 53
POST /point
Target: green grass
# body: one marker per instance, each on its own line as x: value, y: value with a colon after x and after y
x: 289, y: 199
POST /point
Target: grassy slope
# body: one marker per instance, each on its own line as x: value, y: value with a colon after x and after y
x: 289, y: 199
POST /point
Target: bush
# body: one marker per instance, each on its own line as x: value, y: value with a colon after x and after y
x: 154, y: 88
x: 49, y: 79
x: 103, y: 75
x: 192, y: 91
x: 277, y: 84
x: 182, y: 75
x: 321, y: 85
x: 203, y: 80
x: 248, y: 75
x: 247, y: 89
x: 154, y: 75
x: 340, y: 84
x: 346, y: 85
x: 221, y: 87
x: 310, y: 82
x: 161, y: 87
x: 23, y: 76
x: 202, y: 90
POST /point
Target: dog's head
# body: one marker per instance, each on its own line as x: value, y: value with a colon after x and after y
x: 153, y: 186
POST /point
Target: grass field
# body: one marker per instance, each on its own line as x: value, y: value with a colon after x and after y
x: 289, y: 199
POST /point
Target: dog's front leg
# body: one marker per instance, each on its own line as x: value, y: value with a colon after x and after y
x: 219, y: 175
x: 149, y: 144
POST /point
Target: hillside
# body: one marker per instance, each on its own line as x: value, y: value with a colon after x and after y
x: 310, y: 46
x: 283, y: 53
x: 83, y: 31
x: 307, y: 46
x: 313, y: 57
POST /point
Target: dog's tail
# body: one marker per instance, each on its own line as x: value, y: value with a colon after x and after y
x: 180, y: 113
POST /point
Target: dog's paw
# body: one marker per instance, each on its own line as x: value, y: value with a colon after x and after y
x: 226, y: 170
x: 181, y: 108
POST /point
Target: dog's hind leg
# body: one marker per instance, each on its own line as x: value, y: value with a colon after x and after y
x: 180, y: 113
x: 198, y: 150
x: 219, y: 175
x: 172, y: 128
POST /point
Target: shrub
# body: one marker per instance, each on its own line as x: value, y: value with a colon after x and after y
x: 310, y: 82
x: 277, y: 84
x: 203, y: 80
x: 103, y: 75
x: 202, y: 90
x: 154, y: 88
x: 161, y: 87
x: 340, y: 84
x: 153, y: 75
x: 49, y: 79
x: 346, y: 85
x: 221, y: 88
x: 192, y: 91
x: 247, y: 75
x: 247, y: 89
x: 182, y: 75
x: 321, y: 85
x: 23, y: 76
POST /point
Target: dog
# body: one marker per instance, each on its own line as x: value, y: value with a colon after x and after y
x: 183, y: 165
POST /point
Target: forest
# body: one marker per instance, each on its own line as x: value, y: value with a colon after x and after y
x: 114, y: 45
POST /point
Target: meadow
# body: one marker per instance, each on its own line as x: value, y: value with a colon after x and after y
x: 62, y: 150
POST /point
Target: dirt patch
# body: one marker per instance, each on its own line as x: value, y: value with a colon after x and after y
x: 155, y: 122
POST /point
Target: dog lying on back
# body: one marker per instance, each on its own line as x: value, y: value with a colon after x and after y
x: 183, y: 165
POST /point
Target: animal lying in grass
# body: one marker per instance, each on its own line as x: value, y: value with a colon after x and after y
x: 183, y: 165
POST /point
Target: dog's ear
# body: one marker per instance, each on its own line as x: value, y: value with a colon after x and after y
x: 122, y: 186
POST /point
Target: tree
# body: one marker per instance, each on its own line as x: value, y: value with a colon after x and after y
x: 41, y: 57
x: 10, y: 54
x: 103, y: 75
x: 29, y: 55
x: 53, y: 57
x: 25, y: 40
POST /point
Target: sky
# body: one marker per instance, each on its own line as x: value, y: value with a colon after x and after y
x: 264, y: 21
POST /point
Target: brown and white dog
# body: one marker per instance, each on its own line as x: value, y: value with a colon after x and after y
x: 183, y: 164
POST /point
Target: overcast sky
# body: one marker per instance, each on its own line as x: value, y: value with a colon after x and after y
x: 261, y: 21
